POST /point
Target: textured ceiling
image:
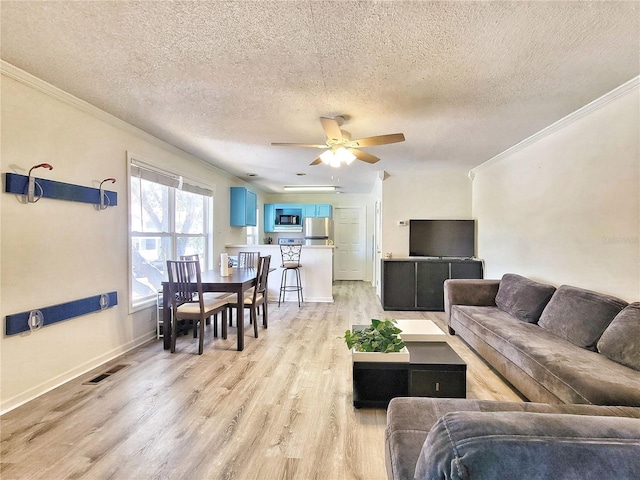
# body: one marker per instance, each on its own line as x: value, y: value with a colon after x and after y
x: 222, y: 80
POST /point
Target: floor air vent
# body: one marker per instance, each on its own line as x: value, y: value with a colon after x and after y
x: 116, y: 368
x: 107, y: 374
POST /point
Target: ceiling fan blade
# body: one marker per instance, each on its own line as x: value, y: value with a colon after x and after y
x: 379, y: 140
x: 317, y: 161
x: 364, y: 156
x: 331, y: 128
x: 310, y: 145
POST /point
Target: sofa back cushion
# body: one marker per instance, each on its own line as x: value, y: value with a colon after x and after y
x: 620, y: 342
x: 523, y: 298
x: 472, y: 445
x: 580, y: 316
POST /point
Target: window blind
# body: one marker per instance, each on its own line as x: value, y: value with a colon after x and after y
x: 156, y: 175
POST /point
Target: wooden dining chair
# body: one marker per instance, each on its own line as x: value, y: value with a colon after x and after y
x: 253, y: 299
x: 248, y: 259
x: 188, y: 301
x: 209, y: 296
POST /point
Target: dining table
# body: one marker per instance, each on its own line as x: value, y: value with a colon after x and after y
x: 238, y: 281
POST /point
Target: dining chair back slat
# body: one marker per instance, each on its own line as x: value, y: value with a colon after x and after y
x: 195, y: 257
x: 248, y: 259
x: 262, y: 275
x: 181, y: 275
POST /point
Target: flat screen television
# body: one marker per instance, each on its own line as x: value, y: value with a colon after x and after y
x: 442, y: 238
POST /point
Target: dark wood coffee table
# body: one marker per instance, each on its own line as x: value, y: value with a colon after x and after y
x: 434, y: 370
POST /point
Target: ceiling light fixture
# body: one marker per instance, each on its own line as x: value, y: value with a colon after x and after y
x: 334, y: 158
x: 309, y: 188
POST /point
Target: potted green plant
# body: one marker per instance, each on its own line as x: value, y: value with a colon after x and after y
x: 378, y: 342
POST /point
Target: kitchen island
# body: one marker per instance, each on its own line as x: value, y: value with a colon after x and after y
x: 316, y: 270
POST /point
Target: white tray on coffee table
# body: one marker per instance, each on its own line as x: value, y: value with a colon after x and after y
x: 418, y: 330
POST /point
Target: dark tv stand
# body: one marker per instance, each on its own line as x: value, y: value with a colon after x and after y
x: 417, y: 283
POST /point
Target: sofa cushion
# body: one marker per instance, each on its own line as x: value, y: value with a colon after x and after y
x: 468, y: 445
x: 523, y: 298
x: 621, y: 340
x: 409, y: 420
x: 529, y: 355
x: 580, y: 316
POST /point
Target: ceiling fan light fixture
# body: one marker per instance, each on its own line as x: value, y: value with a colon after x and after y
x: 335, y: 158
x: 327, y: 157
x: 344, y: 155
x: 341, y: 148
x: 309, y: 188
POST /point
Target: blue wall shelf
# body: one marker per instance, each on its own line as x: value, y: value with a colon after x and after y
x: 18, y: 184
x: 19, y: 322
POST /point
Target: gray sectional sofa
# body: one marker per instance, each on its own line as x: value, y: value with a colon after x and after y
x: 565, y: 345
x: 574, y: 352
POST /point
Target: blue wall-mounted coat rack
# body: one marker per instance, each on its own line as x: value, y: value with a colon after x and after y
x: 19, y: 185
x: 37, y: 318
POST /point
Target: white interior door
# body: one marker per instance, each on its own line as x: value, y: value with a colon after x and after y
x: 350, y: 233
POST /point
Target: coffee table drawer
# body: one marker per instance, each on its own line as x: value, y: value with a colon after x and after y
x: 440, y: 383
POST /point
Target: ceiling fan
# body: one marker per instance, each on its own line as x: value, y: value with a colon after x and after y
x: 339, y: 146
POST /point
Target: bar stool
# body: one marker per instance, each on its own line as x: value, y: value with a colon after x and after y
x: 290, y: 262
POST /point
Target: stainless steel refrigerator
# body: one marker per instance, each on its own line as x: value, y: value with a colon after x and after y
x: 318, y: 231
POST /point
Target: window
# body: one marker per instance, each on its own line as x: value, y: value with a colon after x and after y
x: 169, y: 218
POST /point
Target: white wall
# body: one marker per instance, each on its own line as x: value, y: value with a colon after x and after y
x: 565, y: 208
x: 437, y: 193
x: 56, y: 251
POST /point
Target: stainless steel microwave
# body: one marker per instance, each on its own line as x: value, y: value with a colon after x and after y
x: 285, y: 219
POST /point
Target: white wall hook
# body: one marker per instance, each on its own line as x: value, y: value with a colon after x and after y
x: 104, y: 199
x: 36, y: 320
x: 31, y: 189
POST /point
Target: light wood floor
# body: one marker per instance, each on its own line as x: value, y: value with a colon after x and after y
x: 280, y: 409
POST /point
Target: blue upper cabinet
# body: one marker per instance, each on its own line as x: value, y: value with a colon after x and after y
x: 252, y: 208
x: 319, y: 210
x: 269, y: 217
x: 309, y: 210
x: 324, y: 210
x: 243, y: 204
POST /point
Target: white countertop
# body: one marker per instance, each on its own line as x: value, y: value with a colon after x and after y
x: 276, y: 245
x: 316, y: 272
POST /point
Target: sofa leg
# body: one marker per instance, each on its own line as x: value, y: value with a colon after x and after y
x: 451, y: 330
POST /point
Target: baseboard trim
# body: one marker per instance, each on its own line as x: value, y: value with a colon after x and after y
x: 35, y: 392
x: 305, y: 300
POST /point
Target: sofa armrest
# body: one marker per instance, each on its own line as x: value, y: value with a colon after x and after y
x: 480, y: 293
x: 523, y: 445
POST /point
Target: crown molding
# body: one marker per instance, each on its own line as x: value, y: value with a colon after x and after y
x: 617, y: 92
x: 25, y: 78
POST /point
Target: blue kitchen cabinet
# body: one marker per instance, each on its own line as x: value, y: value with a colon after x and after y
x: 252, y: 209
x: 309, y: 210
x: 269, y: 217
x: 324, y: 210
x: 319, y: 210
x: 243, y: 205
